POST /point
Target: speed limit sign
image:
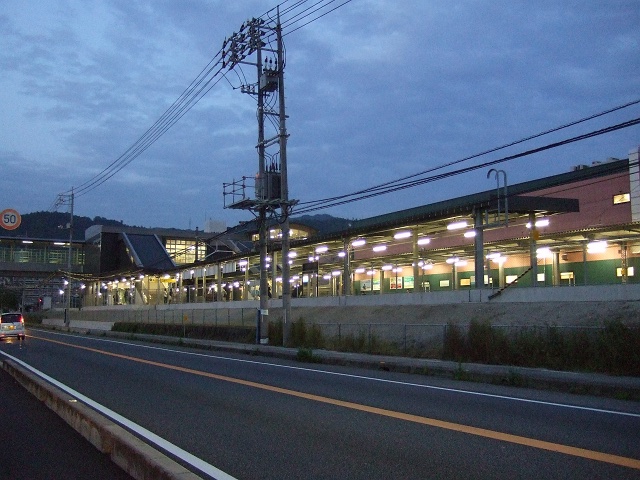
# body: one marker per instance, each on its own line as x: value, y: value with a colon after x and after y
x: 10, y: 219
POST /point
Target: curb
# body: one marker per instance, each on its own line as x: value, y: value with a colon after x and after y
x: 138, y: 459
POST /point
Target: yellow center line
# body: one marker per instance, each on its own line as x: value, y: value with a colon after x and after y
x: 456, y: 427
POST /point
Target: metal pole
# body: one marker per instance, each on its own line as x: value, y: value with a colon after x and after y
x: 284, y: 194
x: 67, y: 312
x: 262, y: 326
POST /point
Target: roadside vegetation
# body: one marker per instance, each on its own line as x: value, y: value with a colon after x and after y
x: 612, y: 349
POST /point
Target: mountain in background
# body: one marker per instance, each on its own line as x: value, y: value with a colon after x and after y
x: 54, y: 225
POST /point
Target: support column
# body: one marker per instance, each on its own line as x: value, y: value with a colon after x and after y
x: 533, y: 257
x: 346, y: 268
x: 556, y: 268
x: 417, y: 284
x: 219, y: 294
x: 479, y: 250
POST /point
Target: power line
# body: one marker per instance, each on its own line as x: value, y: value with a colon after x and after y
x: 390, y: 184
x: 199, y: 87
x: 374, y: 192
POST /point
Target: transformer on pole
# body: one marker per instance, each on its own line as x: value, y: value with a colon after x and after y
x: 252, y: 45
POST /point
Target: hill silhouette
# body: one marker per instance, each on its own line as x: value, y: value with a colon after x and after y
x: 54, y: 225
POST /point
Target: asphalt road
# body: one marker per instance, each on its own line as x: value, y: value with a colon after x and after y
x: 36, y: 444
x: 260, y: 418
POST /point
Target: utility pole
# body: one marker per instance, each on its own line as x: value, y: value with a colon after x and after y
x: 68, y: 199
x: 271, y: 184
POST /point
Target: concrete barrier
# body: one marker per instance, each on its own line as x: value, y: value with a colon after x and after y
x: 135, y: 457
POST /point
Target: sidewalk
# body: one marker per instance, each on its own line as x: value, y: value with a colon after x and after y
x: 625, y: 388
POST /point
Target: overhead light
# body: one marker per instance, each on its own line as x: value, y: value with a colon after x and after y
x: 543, y: 252
x: 342, y: 254
x: 358, y: 242
x: 27, y: 241
x: 335, y: 273
x: 542, y: 222
x: 359, y: 270
x: 458, y: 225
x: 326, y: 277
x: 322, y: 249
x: 461, y: 263
x: 424, y: 241
x: 493, y: 256
x: 597, y: 247
x: 379, y: 248
x: 401, y: 235
x: 243, y: 263
x: 451, y: 260
x: 371, y: 272
x: 387, y: 267
x: 292, y: 254
x: 469, y: 234
x: 427, y: 266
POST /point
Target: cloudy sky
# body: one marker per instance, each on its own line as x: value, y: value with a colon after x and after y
x: 375, y: 90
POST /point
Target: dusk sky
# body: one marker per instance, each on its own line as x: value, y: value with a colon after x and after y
x: 375, y: 91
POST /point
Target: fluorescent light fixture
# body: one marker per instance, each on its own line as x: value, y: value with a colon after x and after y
x: 359, y: 270
x: 371, y: 272
x: 379, y: 248
x: 326, y: 277
x: 27, y: 241
x: 60, y: 244
x: 387, y: 267
x: 292, y: 254
x: 342, y: 254
x: 543, y: 252
x: 335, y: 273
x: 469, y: 234
x: 322, y: 249
x: 597, y: 247
x: 401, y: 235
x: 427, y: 266
x: 542, y: 222
x: 358, y: 242
x: 493, y: 255
x: 424, y: 241
x: 451, y: 260
x: 458, y: 225
x: 243, y: 263
x: 461, y: 263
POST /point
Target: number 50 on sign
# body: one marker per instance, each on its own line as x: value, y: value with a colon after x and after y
x: 10, y: 219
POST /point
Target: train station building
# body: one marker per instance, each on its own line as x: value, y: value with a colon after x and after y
x: 580, y: 227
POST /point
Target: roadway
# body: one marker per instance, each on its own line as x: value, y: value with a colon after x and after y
x: 265, y: 418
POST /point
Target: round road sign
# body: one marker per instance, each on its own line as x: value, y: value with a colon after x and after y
x: 10, y: 219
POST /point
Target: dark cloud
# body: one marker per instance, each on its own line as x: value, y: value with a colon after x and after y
x: 375, y: 91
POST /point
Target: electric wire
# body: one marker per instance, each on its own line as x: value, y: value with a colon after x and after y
x: 385, y: 185
x: 402, y: 186
x: 198, y: 88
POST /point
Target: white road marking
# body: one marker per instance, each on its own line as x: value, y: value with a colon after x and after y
x: 362, y: 377
x: 125, y: 422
